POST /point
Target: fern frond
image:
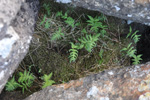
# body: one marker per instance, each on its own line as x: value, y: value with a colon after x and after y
x: 47, y: 24
x: 73, y: 55
x: 59, y: 13
x: 47, y: 77
x: 65, y: 16
x: 47, y: 8
x: 70, y: 21
x: 131, y: 52
x: 84, y: 31
x: 130, y: 31
x: 89, y: 41
x: 44, y: 18
x: 134, y: 36
x: 74, y: 52
x: 47, y: 81
x: 25, y: 79
x: 102, y: 17
x: 136, y: 59
x: 57, y: 35
x: 96, y: 24
x: 12, y: 85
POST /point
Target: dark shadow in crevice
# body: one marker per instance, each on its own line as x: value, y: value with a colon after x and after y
x: 143, y: 46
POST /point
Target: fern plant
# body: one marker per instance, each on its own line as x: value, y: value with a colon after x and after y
x: 57, y: 35
x: 136, y: 59
x: 89, y: 41
x: 71, y: 22
x: 59, y: 14
x: 12, y: 85
x: 47, y: 8
x: 73, y: 52
x: 86, y: 41
x: 46, y: 22
x: 25, y: 81
x: 134, y: 36
x: 65, y: 16
x: 84, y: 31
x: 102, y: 17
x: 96, y: 24
x: 130, y: 50
x: 43, y: 20
x: 47, y: 81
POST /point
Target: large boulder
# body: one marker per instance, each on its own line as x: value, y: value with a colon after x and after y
x: 128, y: 83
x: 17, y: 20
x: 133, y: 10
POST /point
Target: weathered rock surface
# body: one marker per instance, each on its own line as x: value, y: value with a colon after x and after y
x: 128, y: 83
x: 17, y: 20
x: 134, y: 10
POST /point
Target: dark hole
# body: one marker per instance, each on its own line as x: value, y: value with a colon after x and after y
x: 143, y: 46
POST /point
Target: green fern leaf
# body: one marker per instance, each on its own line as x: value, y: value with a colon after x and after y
x: 130, y: 31
x: 65, y: 16
x: 74, y: 52
x: 44, y: 18
x: 136, y: 59
x: 59, y: 14
x: 96, y: 24
x: 57, y: 35
x: 47, y: 81
x: 134, y: 36
x: 47, y: 24
x: 84, y: 31
x: 89, y: 41
x: 131, y: 52
x: 73, y: 55
x: 12, y: 85
x: 47, y: 8
x: 70, y: 21
x: 25, y: 79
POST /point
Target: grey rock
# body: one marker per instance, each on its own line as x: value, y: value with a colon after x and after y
x: 128, y: 83
x: 132, y: 10
x: 17, y: 20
